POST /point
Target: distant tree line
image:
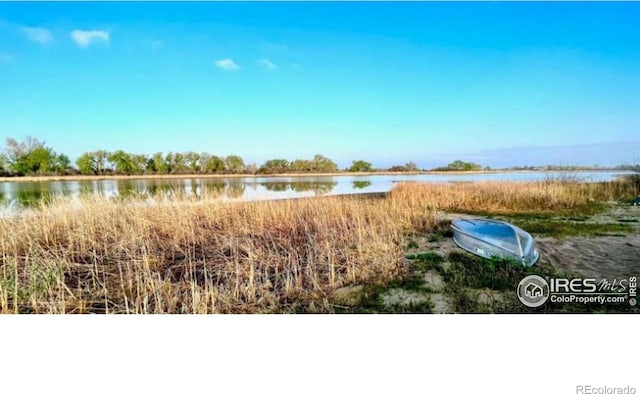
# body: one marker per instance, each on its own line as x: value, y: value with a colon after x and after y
x: 460, y: 165
x: 123, y: 163
x: 33, y: 157
x: 318, y: 164
x: 628, y: 167
x: 594, y: 167
x: 408, y: 167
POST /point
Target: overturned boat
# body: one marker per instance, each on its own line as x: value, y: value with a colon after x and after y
x: 488, y: 238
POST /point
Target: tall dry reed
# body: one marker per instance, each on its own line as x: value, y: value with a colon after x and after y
x: 509, y: 197
x: 192, y: 256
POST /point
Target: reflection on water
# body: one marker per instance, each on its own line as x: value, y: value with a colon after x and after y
x: 361, y: 184
x: 317, y: 188
x: 235, y: 189
x: 33, y: 194
x: 276, y: 186
x: 16, y: 195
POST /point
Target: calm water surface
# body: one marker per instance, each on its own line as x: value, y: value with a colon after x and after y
x: 17, y: 195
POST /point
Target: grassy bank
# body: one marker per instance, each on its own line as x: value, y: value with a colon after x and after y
x: 202, y: 256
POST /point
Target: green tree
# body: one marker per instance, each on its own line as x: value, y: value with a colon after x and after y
x: 62, y: 163
x: 93, y: 162
x: 15, y: 149
x: 234, y: 164
x: 30, y: 156
x: 300, y: 165
x: 360, y: 166
x: 178, y: 163
x: 150, y: 166
x: 169, y: 162
x: 3, y: 164
x: 160, y: 164
x: 86, y: 164
x: 321, y: 163
x: 213, y: 164
x: 122, y: 162
x: 192, y: 161
x: 138, y: 163
x: 100, y: 158
x: 274, y: 166
x: 38, y: 161
x: 460, y: 165
x: 411, y: 166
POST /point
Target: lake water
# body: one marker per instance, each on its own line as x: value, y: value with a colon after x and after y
x: 17, y: 195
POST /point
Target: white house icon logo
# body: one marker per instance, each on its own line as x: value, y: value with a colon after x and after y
x: 533, y: 291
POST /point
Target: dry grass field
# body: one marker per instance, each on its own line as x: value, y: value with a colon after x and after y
x: 186, y: 255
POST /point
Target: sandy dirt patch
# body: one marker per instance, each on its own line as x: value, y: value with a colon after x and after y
x: 598, y: 257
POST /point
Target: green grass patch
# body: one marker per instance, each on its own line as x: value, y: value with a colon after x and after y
x: 413, y: 283
x: 580, y: 213
x: 412, y: 244
x: 462, y: 301
x: 434, y: 237
x: 424, y: 262
x: 467, y: 270
x: 564, y: 229
x: 427, y: 256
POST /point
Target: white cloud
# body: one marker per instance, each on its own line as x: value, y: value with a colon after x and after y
x: 226, y: 64
x: 266, y: 63
x: 84, y: 38
x: 37, y: 34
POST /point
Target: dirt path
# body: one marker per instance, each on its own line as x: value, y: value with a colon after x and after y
x: 598, y: 257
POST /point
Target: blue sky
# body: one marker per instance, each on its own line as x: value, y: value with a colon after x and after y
x: 501, y: 83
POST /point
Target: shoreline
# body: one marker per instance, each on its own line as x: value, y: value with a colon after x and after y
x: 62, y: 178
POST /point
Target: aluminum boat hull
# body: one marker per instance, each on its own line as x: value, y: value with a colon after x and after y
x: 493, y: 238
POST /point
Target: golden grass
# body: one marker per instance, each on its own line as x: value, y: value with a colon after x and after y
x: 513, y: 197
x: 206, y: 256
x: 197, y: 256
